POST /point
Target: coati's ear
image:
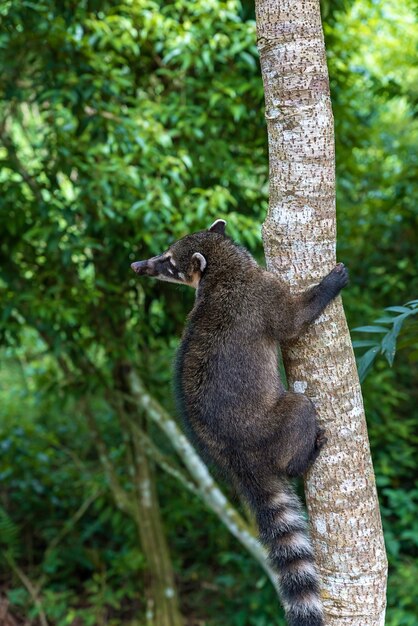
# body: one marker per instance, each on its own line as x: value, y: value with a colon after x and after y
x: 199, y: 262
x: 218, y: 227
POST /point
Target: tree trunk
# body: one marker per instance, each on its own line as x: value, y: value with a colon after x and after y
x: 162, y: 607
x: 162, y: 598
x: 162, y: 602
x: 299, y: 237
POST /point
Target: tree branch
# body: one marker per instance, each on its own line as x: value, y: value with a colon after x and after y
x: 207, y: 488
x: 32, y: 589
x: 152, y: 451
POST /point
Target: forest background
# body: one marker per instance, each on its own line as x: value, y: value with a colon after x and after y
x: 123, y: 126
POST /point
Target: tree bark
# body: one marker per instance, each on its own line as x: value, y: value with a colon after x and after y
x: 299, y: 237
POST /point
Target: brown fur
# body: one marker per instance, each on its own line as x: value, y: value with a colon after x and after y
x: 231, y: 398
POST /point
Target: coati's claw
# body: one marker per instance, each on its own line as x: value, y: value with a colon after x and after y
x: 341, y: 269
x: 337, y: 278
x: 321, y: 439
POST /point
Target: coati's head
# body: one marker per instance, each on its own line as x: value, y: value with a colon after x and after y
x: 187, y: 259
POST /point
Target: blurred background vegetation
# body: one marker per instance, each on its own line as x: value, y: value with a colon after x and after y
x: 123, y: 126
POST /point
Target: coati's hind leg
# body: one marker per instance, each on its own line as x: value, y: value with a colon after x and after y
x: 300, y: 439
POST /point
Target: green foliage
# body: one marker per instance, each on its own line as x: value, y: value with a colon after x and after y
x: 389, y: 326
x: 125, y: 125
x: 373, y: 81
x: 52, y: 475
x: 9, y: 536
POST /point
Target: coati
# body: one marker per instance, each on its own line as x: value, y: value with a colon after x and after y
x: 231, y: 397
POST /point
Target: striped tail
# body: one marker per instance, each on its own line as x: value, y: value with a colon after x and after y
x: 283, y: 530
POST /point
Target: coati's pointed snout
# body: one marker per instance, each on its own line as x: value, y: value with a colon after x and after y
x: 144, y: 268
x: 161, y: 267
x: 139, y: 266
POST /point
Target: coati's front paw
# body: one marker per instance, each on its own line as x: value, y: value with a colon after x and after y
x: 340, y: 274
x: 337, y: 278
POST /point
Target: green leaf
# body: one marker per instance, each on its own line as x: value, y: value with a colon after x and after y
x: 389, y: 346
x: 398, y: 309
x: 385, y: 320
x: 371, y: 329
x: 249, y: 59
x: 365, y: 362
x: 359, y: 343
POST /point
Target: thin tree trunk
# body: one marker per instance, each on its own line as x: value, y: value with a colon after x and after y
x: 162, y: 602
x: 162, y: 607
x: 162, y: 598
x: 299, y: 237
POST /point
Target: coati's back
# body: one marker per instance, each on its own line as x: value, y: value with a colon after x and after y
x: 231, y: 398
x: 226, y: 369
